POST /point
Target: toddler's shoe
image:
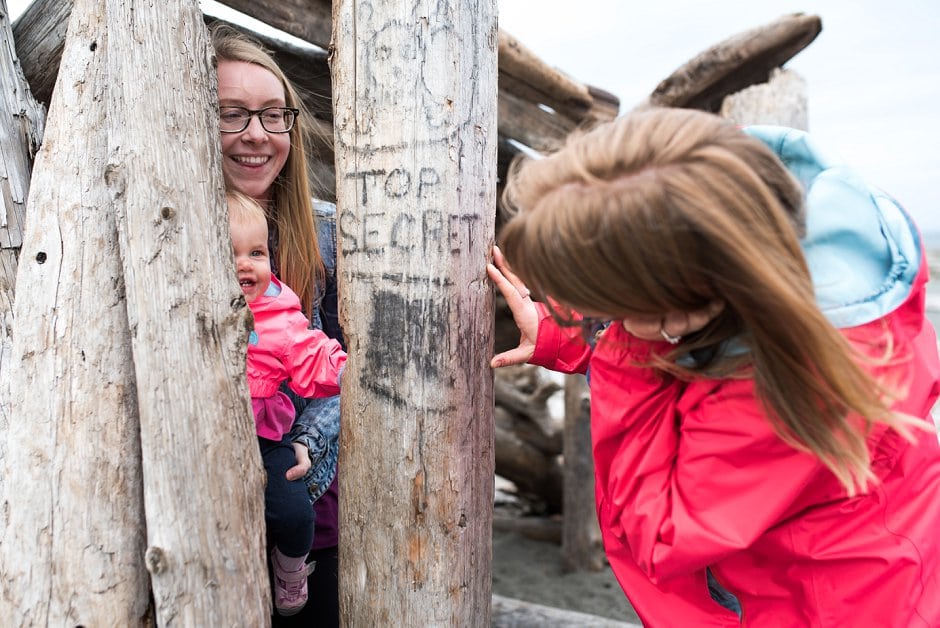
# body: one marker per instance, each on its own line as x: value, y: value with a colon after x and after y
x: 290, y: 587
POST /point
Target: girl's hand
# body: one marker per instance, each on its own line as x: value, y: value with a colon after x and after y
x: 673, y: 325
x: 299, y: 470
x: 524, y: 312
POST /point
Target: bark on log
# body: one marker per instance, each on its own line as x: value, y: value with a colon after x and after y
x: 738, y: 62
x: 72, y: 550
x: 415, y: 117
x: 582, y: 548
x: 21, y: 126
x: 202, y: 474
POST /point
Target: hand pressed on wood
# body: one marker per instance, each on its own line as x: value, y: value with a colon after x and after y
x: 524, y: 312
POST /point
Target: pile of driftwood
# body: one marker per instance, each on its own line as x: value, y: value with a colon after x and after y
x: 547, y: 457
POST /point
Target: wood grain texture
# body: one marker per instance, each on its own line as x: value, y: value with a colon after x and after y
x: 735, y: 63
x: 416, y: 139
x: 202, y: 474
x: 72, y: 550
x: 21, y: 125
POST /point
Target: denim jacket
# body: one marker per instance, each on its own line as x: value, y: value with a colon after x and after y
x: 317, y: 422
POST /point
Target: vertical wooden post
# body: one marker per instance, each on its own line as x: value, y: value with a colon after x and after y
x: 582, y: 548
x: 72, y: 548
x: 414, y: 92
x: 21, y: 124
x: 202, y: 474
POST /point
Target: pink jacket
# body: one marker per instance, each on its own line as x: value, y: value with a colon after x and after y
x: 282, y: 347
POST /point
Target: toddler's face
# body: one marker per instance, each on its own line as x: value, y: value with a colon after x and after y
x: 252, y: 261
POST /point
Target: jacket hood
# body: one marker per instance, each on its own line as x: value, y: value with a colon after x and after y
x: 862, y: 248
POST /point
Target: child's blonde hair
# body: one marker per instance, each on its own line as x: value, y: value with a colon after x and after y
x: 244, y: 210
x: 671, y: 210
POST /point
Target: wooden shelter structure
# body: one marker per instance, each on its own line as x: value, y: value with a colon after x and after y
x: 535, y: 108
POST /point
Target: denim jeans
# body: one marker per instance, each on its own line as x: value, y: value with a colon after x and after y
x: 287, y: 512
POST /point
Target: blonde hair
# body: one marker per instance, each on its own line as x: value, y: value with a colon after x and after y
x: 671, y: 209
x: 299, y: 262
x: 244, y: 210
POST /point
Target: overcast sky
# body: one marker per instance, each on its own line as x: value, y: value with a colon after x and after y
x: 873, y: 74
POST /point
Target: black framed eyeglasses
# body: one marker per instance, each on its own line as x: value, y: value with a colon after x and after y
x: 273, y: 119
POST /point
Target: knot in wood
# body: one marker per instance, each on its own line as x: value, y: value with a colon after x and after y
x: 156, y: 560
x: 167, y: 213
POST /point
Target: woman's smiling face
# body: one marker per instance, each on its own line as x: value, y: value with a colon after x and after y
x: 252, y: 159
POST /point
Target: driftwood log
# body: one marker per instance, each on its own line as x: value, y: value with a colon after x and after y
x: 123, y: 263
x: 511, y: 613
x: 738, y: 62
x: 582, y: 548
x: 21, y: 125
x: 528, y: 438
x: 782, y: 101
x: 416, y: 140
x: 73, y: 543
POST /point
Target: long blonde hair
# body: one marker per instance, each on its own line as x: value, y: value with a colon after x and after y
x: 299, y: 262
x: 671, y: 209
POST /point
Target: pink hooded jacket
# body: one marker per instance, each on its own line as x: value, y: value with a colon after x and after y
x: 282, y: 347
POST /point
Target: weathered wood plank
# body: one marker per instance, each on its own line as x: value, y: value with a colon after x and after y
x: 72, y: 550
x: 309, y: 20
x: 742, y: 60
x: 21, y: 126
x: 415, y: 146
x: 40, y: 37
x: 557, y: 90
x: 527, y: 123
x: 202, y: 474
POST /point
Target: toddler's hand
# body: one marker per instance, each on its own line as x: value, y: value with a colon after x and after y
x: 299, y: 470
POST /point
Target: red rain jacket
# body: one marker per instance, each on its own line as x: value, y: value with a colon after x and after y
x: 692, y: 475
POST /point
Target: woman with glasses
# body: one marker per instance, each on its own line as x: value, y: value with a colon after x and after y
x: 761, y: 394
x: 263, y: 126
